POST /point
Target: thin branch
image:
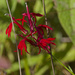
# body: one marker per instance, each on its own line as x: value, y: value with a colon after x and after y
x: 45, y: 17
x: 14, y: 36
x: 48, y: 36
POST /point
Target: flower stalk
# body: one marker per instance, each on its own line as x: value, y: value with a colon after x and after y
x: 14, y: 36
x: 48, y: 36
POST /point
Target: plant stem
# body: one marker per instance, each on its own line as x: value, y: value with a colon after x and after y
x: 48, y: 36
x: 45, y: 17
x: 52, y: 62
x: 14, y: 36
x: 63, y: 65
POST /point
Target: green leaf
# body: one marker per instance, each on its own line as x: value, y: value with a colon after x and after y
x: 70, y: 56
x: 42, y: 70
x: 34, y: 59
x: 70, y: 68
x: 3, y: 4
x: 66, y: 17
x: 14, y: 4
x: 72, y: 11
x: 63, y: 65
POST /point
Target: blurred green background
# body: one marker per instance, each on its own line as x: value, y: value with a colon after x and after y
x: 61, y: 17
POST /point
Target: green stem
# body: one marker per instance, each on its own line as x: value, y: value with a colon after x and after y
x: 63, y: 65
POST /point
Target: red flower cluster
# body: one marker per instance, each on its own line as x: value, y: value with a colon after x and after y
x: 39, y: 42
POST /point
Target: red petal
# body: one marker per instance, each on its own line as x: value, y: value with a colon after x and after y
x: 8, y: 30
x: 52, y: 43
x: 31, y: 42
x: 41, y: 30
x: 19, y: 19
x: 23, y: 20
x: 22, y: 45
x: 48, y: 47
x: 42, y: 46
x: 25, y: 47
x: 29, y: 18
x: 43, y: 42
x: 27, y: 35
x: 20, y: 26
x: 21, y: 36
x: 51, y: 39
x: 39, y: 33
x: 36, y: 14
x: 45, y: 26
x: 24, y: 14
x: 31, y: 33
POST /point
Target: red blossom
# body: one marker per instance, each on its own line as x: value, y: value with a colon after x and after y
x: 39, y: 42
x: 9, y: 29
x: 36, y: 14
x: 22, y: 20
x: 20, y: 26
x: 44, y: 26
x: 29, y: 18
x: 43, y: 43
x: 39, y: 33
x: 28, y: 40
x: 22, y: 45
x: 33, y: 15
x: 39, y: 29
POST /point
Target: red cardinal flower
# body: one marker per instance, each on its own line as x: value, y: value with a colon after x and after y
x: 29, y: 18
x: 9, y: 29
x: 28, y: 40
x: 33, y: 15
x: 43, y: 43
x: 36, y: 14
x: 20, y: 26
x: 39, y: 41
x: 22, y: 45
x: 40, y: 30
